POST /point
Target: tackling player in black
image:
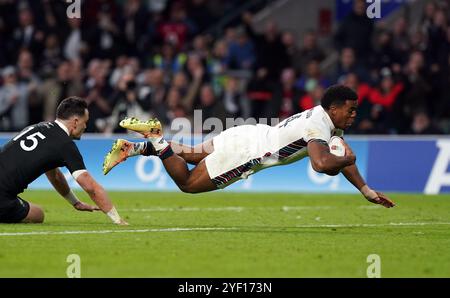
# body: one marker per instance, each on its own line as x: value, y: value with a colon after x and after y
x: 43, y: 148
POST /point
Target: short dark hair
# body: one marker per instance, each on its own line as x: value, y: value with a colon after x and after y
x: 337, y: 95
x: 71, y: 106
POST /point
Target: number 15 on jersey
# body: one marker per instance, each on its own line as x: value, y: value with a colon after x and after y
x: 33, y: 138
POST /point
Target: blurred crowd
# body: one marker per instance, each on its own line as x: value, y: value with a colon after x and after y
x: 157, y: 58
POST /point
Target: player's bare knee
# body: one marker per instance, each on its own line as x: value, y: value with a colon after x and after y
x: 40, y: 216
x: 35, y: 215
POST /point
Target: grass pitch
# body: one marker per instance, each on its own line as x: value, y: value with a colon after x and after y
x: 225, y: 234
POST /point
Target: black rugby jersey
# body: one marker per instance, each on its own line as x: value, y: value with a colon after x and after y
x: 34, y: 151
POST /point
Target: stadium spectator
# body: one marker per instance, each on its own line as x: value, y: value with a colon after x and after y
x: 437, y: 56
x: 198, y: 75
x: 211, y: 108
x: 25, y: 67
x: 200, y: 46
x: 293, y: 51
x: 154, y: 78
x: 181, y: 82
x: 122, y: 63
x: 169, y: 61
x: 382, y: 98
x: 157, y: 6
x: 418, y: 42
x: 104, y: 39
x: 175, y: 109
x: 441, y: 82
x: 27, y: 76
x: 363, y: 122
x: 200, y: 13
x: 349, y: 64
x: 428, y: 13
x: 73, y: 44
x: 27, y: 35
x: 232, y: 98
x: 127, y: 101
x: 383, y: 54
x: 437, y: 49
x: 311, y: 98
x: 241, y: 53
x: 92, y: 11
x: 51, y: 15
x: 270, y: 51
x: 423, y: 125
x: 312, y: 76
x: 55, y: 89
x: 401, y: 42
x: 178, y: 28
x: 362, y: 89
x: 217, y: 65
x: 356, y: 31
x: 286, y: 96
x: 230, y: 35
x: 98, y: 92
x: 13, y: 101
x: 387, y: 92
x: 416, y: 93
x: 8, y: 16
x: 51, y: 57
x: 309, y: 51
x: 260, y: 94
x: 134, y: 23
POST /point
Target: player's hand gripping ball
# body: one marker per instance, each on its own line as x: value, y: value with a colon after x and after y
x: 336, y: 145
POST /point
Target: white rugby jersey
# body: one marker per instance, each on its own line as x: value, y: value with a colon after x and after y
x: 287, y: 142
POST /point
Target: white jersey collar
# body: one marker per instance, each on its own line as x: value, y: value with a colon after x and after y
x: 327, y: 117
x: 63, y: 127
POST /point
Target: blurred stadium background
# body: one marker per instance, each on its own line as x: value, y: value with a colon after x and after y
x: 240, y: 59
x: 229, y: 58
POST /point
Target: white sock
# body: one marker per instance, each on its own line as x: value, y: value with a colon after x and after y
x: 159, y: 143
x: 137, y: 148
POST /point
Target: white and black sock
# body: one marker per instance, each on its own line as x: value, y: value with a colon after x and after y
x: 137, y: 149
x: 159, y: 143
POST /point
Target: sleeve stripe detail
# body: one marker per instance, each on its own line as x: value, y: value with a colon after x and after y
x: 319, y: 141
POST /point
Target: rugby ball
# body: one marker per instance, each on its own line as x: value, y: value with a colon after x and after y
x: 336, y: 145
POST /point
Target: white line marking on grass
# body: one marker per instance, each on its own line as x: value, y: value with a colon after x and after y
x: 215, y: 229
x: 171, y: 209
x: 112, y: 231
x: 373, y: 225
x: 231, y: 209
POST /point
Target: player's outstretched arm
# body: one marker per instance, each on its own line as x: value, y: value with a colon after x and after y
x: 100, y: 197
x: 59, y: 182
x: 352, y: 174
x: 323, y: 161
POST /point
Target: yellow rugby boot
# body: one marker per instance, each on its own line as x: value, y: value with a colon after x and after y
x: 119, y: 152
x: 150, y: 129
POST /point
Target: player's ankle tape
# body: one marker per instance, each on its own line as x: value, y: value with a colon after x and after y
x: 165, y: 153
